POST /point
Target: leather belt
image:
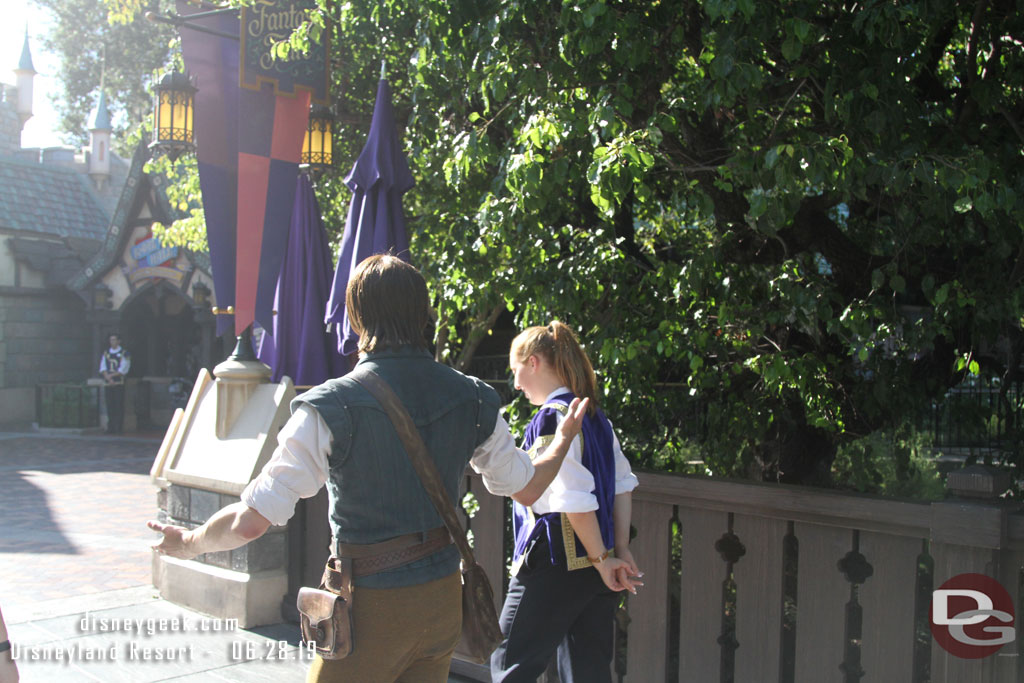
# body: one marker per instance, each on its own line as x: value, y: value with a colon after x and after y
x: 370, y: 558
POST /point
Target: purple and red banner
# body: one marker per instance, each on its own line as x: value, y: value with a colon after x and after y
x: 247, y: 163
x: 269, y: 143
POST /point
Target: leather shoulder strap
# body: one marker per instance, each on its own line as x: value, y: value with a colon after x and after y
x: 417, y: 451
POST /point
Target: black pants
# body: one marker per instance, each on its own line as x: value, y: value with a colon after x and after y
x: 549, y: 609
x: 115, y: 408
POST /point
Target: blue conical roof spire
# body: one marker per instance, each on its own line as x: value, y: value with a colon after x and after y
x: 100, y: 117
x: 25, y: 63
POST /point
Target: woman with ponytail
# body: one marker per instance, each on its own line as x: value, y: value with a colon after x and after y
x: 572, y: 544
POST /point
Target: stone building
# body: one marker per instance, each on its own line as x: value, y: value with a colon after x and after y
x: 78, y: 260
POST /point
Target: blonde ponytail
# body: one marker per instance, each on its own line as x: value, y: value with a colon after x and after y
x: 557, y: 344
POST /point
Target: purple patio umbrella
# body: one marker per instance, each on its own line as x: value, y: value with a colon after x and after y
x: 299, y: 345
x: 375, y: 223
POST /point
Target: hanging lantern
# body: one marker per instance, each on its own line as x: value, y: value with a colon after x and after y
x: 102, y: 297
x: 201, y: 295
x: 317, y: 147
x: 174, y: 100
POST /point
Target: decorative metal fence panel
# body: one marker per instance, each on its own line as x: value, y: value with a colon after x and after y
x: 978, y: 414
x: 67, y: 405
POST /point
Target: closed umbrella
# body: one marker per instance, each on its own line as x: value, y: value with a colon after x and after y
x: 375, y: 223
x: 299, y: 345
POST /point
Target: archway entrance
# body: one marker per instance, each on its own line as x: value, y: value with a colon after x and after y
x: 168, y: 346
x: 159, y: 329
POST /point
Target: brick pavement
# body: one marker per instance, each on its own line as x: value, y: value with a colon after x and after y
x: 72, y: 515
x: 73, y: 543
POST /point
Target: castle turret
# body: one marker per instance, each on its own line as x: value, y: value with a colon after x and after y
x: 25, y: 73
x: 99, y: 138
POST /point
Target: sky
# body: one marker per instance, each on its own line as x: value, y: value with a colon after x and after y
x: 40, y: 130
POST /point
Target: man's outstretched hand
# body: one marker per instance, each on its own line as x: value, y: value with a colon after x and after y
x: 174, y: 542
x: 573, y: 422
x: 229, y: 528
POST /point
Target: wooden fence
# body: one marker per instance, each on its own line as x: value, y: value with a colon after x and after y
x: 759, y: 583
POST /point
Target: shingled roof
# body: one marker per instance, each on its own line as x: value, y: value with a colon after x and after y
x: 58, y: 260
x: 40, y: 198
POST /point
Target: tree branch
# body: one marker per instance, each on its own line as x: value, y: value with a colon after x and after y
x: 784, y: 108
x: 477, y: 332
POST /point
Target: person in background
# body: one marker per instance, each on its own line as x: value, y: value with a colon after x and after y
x: 114, y: 365
x: 572, y: 544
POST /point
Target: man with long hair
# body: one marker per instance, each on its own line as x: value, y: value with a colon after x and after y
x: 406, y: 619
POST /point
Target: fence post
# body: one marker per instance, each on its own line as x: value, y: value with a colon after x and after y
x: 647, y: 640
x: 969, y: 534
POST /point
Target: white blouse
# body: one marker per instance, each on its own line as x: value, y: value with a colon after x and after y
x: 573, y: 487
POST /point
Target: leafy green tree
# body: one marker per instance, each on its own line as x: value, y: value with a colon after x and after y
x: 92, y: 47
x: 779, y: 227
x: 801, y: 218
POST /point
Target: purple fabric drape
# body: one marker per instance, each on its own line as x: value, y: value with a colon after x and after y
x: 375, y: 223
x: 298, y: 344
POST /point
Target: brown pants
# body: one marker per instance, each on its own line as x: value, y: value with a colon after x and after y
x: 399, y: 634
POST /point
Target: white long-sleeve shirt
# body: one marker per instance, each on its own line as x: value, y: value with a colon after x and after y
x: 299, y: 466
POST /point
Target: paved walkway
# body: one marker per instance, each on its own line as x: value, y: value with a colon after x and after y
x: 74, y: 512
x: 75, y: 575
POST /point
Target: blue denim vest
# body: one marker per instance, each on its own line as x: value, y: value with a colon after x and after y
x: 374, y: 492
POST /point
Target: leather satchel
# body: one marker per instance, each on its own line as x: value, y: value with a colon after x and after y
x: 325, y: 616
x: 481, y: 633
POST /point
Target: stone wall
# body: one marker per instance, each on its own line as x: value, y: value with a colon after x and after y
x: 18, y: 405
x: 190, y: 507
x: 44, y: 337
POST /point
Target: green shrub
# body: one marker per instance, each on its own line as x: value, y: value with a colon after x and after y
x: 897, y: 463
